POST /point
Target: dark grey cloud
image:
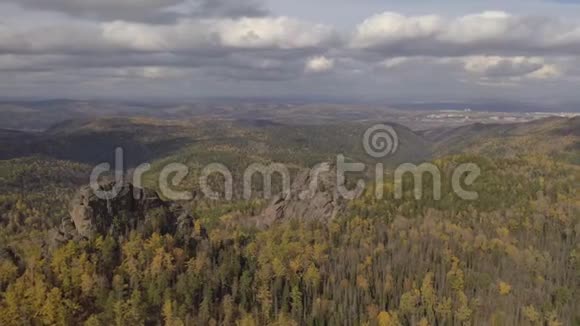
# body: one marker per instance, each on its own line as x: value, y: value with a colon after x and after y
x: 227, y: 8
x: 68, y: 36
x: 141, y: 10
x: 152, y: 11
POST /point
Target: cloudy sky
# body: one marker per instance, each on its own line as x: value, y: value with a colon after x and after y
x: 360, y: 49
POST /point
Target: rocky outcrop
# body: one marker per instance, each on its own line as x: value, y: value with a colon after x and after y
x: 92, y: 215
x: 132, y: 209
x: 321, y: 202
x: 313, y: 197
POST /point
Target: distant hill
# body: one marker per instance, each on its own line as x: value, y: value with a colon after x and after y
x: 551, y: 136
x: 490, y: 106
x: 93, y: 140
x: 148, y: 139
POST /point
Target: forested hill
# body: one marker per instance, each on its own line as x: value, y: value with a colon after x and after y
x: 148, y: 140
x: 511, y: 257
x: 551, y: 136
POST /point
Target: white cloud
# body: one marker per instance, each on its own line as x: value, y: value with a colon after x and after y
x: 319, y: 64
x: 391, y: 27
x: 278, y: 32
x: 548, y: 71
x: 490, y: 32
x: 486, y: 26
x: 135, y: 36
x: 161, y: 72
x: 394, y: 62
x: 510, y: 67
x: 501, y: 66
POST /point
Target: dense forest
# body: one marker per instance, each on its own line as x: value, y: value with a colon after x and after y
x: 512, y: 257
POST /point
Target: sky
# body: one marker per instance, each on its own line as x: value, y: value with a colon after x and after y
x: 451, y: 50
